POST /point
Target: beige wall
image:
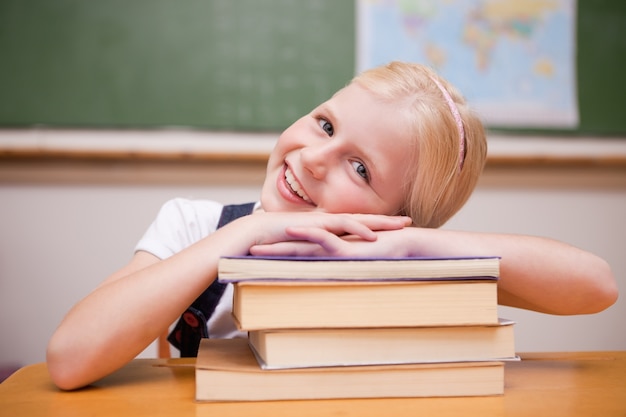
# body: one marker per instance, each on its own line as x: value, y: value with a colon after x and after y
x: 67, y: 225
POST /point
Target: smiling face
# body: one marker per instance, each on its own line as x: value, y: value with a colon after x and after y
x: 349, y: 155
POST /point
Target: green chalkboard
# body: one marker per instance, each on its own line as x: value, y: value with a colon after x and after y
x: 602, y: 66
x: 227, y: 64
x: 221, y: 64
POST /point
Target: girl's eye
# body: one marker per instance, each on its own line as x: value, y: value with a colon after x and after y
x: 361, y: 170
x: 326, y: 127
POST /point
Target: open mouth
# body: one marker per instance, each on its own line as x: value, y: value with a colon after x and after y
x: 295, y: 186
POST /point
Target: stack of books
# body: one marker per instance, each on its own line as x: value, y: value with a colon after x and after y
x: 323, y: 328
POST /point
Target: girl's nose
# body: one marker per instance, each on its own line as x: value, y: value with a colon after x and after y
x: 316, y: 159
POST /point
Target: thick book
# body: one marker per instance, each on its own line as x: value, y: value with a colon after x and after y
x: 297, y: 348
x: 226, y: 370
x: 334, y: 304
x: 248, y: 268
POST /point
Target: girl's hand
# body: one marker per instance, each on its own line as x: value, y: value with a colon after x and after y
x: 314, y: 241
x: 276, y: 233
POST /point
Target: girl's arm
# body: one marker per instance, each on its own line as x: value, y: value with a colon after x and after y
x: 135, y: 305
x: 536, y: 273
x: 127, y: 312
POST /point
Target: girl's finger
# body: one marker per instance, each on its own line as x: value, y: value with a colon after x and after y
x: 330, y: 242
x: 377, y: 222
x: 298, y: 248
x: 346, y: 225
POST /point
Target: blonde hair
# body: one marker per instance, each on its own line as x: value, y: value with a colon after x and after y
x: 440, y: 181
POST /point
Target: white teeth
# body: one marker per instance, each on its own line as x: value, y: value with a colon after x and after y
x: 295, y: 185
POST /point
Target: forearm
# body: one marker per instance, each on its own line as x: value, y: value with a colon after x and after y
x: 116, y: 322
x: 536, y: 273
x: 129, y: 310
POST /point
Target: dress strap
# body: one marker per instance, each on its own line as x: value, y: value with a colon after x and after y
x: 192, y: 326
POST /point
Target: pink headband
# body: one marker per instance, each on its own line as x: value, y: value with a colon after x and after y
x: 457, y: 118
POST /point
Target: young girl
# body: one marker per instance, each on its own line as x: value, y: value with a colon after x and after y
x: 374, y: 171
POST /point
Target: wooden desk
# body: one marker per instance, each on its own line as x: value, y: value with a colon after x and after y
x: 547, y: 384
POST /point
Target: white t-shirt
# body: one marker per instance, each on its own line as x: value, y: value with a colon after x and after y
x: 179, y: 224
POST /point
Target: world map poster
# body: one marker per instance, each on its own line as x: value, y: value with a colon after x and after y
x: 513, y: 60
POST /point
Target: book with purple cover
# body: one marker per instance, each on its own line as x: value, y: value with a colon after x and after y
x: 272, y: 268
